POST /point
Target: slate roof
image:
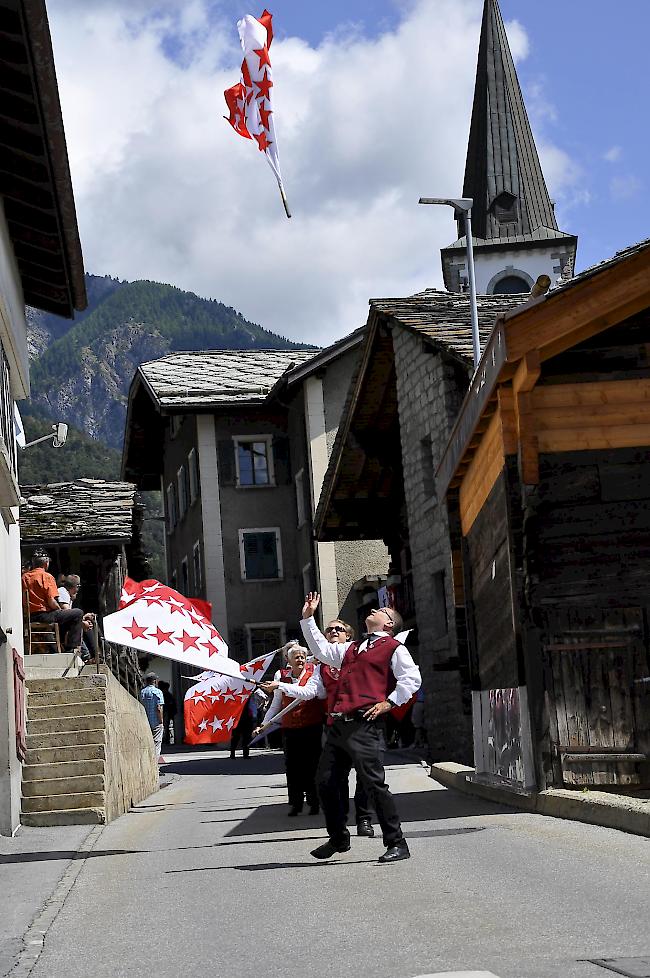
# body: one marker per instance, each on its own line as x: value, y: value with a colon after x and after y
x: 445, y: 318
x: 501, y: 152
x: 84, y: 510
x: 211, y: 378
x: 539, y: 234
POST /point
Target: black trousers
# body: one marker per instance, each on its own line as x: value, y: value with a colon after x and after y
x: 242, y: 734
x: 69, y: 623
x: 356, y: 743
x: 302, y: 747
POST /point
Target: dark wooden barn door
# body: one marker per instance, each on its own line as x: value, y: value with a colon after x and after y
x: 599, y: 707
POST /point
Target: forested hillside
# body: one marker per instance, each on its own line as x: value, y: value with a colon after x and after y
x: 81, y: 372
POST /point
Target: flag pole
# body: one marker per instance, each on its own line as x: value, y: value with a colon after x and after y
x: 284, y: 200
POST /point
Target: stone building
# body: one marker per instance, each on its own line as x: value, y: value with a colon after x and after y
x: 40, y: 264
x: 238, y: 442
x: 414, y: 369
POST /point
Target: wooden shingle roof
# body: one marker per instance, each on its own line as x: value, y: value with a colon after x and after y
x: 212, y: 378
x: 85, y: 510
x: 444, y: 317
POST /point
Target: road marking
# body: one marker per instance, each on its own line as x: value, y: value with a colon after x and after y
x: 460, y: 974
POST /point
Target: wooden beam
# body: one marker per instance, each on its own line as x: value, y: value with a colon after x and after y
x: 527, y: 373
x: 528, y: 441
x: 570, y: 316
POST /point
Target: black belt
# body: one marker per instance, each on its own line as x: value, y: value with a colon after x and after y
x: 348, y: 717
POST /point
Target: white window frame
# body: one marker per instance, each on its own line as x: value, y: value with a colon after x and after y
x: 181, y: 493
x: 196, y: 567
x: 242, y: 555
x: 251, y: 626
x: 301, y: 509
x: 193, y: 475
x: 240, y: 439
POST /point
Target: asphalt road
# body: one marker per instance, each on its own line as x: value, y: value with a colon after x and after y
x: 209, y: 877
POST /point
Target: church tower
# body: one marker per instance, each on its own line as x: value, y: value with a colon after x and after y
x: 515, y: 234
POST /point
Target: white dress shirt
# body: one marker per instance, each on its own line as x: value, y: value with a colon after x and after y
x: 312, y: 689
x: 407, y: 674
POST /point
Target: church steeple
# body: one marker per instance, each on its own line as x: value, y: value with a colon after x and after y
x: 512, y: 211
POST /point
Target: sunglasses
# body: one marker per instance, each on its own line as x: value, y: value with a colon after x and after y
x: 334, y: 628
x: 384, y: 612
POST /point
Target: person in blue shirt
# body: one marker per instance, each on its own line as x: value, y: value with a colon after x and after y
x: 153, y: 701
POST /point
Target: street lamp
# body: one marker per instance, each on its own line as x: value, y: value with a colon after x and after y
x: 463, y: 207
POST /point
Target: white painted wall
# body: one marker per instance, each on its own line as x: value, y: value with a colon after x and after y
x: 13, y: 329
x: 13, y: 337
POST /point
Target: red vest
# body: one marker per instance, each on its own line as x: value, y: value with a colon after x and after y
x: 365, y: 677
x: 307, y: 713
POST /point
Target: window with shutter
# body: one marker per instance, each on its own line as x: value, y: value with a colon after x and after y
x: 260, y: 554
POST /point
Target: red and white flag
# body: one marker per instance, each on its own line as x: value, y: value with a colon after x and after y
x: 155, y: 619
x: 214, y: 705
x: 250, y: 102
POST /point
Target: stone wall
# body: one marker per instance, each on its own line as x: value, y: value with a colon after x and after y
x: 430, y: 388
x: 131, y: 771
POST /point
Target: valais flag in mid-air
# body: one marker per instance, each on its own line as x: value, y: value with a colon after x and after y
x: 250, y: 101
x: 155, y: 619
x: 214, y: 705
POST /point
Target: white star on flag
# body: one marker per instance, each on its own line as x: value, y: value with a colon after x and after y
x: 155, y: 619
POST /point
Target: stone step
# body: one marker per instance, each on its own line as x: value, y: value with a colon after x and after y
x: 65, y: 816
x: 66, y: 738
x: 49, y: 787
x: 87, y: 694
x: 52, y: 665
x: 45, y: 754
x: 60, y: 711
x: 62, y: 769
x: 80, y: 799
x: 60, y: 725
x: 75, y: 682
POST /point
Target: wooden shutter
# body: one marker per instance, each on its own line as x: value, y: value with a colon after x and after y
x: 281, y: 460
x: 226, y: 457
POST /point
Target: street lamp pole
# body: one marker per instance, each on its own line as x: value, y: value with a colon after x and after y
x: 463, y: 205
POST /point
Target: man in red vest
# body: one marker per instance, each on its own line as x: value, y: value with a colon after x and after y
x: 376, y: 675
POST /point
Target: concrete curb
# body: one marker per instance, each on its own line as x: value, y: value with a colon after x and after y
x: 595, y: 807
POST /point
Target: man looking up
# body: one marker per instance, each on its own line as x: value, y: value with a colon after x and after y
x: 376, y: 675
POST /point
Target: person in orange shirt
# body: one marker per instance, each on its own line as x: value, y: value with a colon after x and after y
x: 42, y: 594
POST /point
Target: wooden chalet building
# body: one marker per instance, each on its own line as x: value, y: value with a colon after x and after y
x: 547, y: 480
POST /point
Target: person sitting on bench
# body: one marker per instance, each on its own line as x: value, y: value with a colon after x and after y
x: 43, y: 604
x: 69, y: 587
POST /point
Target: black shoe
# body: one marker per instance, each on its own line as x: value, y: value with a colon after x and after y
x: 364, y: 827
x: 294, y: 810
x: 394, y: 853
x: 329, y: 849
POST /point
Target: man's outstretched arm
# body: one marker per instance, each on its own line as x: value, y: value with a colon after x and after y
x: 328, y: 652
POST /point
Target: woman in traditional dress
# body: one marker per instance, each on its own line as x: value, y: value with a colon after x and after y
x: 301, y: 727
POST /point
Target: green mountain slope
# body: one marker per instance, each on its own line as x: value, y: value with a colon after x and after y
x: 83, y: 373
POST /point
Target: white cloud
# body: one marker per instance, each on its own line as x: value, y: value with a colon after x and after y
x: 166, y: 190
x: 613, y: 154
x: 625, y: 187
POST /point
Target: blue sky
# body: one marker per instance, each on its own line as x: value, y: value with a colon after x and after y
x: 372, y: 108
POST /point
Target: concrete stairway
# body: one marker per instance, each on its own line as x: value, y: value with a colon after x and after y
x: 64, y: 776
